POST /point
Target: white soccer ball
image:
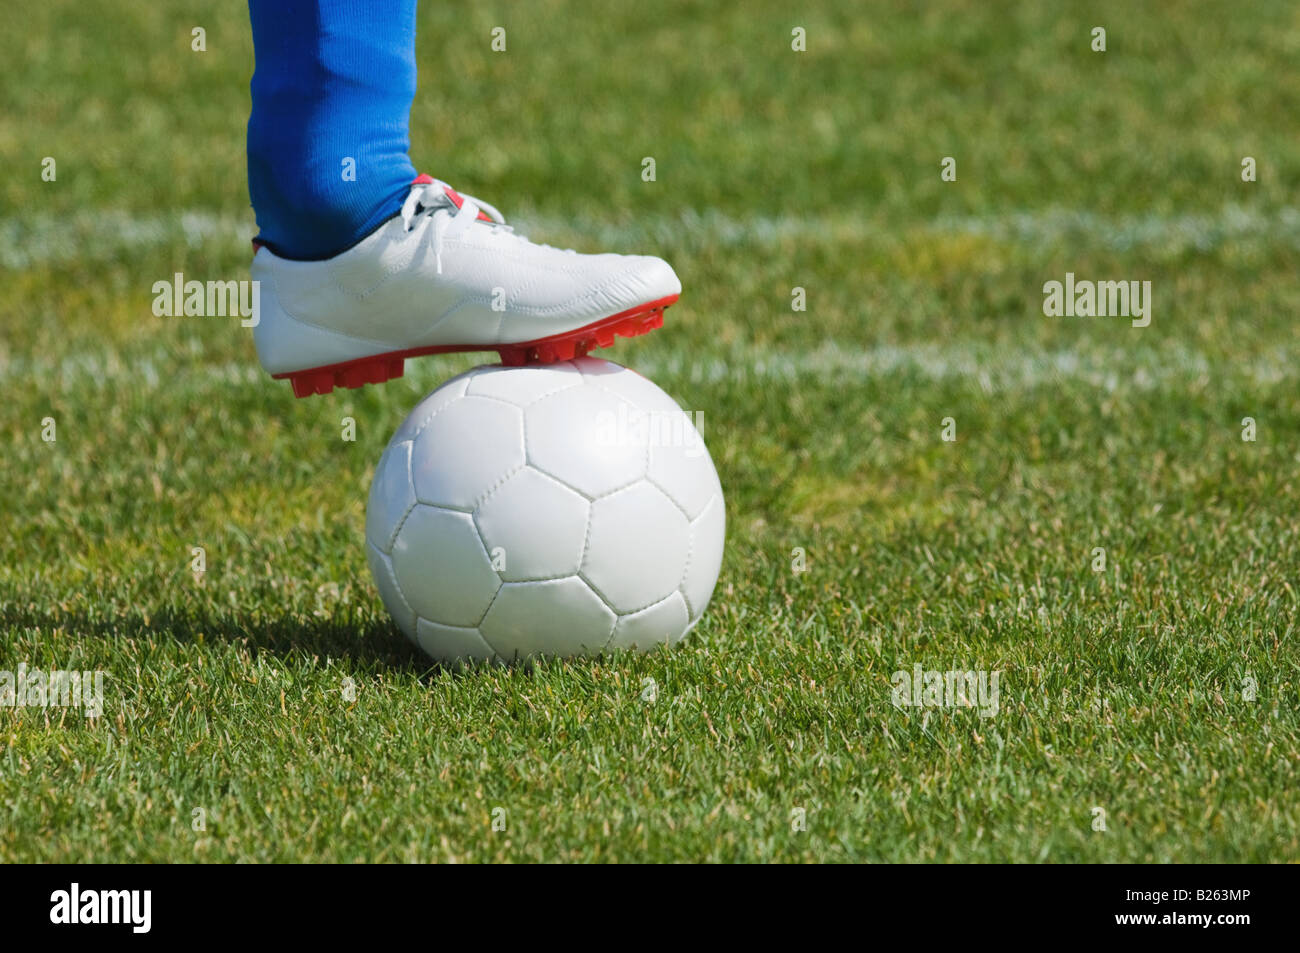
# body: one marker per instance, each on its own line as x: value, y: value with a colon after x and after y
x: 558, y: 510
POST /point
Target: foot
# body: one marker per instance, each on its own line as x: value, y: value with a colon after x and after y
x: 447, y: 274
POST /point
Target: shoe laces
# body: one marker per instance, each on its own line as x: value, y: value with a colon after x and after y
x: 451, y: 212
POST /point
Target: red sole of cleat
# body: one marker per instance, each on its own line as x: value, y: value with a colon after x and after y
x: 559, y: 347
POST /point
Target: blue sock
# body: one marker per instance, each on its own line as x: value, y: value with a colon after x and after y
x: 332, y: 90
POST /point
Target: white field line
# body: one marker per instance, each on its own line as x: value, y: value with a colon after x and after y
x: 1190, y: 232
x: 1119, y: 369
x: 1115, y: 370
x: 95, y: 236
x: 101, y: 235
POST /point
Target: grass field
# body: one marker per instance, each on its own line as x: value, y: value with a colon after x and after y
x: 1162, y: 691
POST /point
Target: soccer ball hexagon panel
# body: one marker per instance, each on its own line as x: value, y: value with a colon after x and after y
x: 545, y: 511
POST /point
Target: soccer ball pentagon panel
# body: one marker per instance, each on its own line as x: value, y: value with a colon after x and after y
x: 558, y: 510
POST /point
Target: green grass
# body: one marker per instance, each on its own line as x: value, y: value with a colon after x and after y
x: 1120, y: 690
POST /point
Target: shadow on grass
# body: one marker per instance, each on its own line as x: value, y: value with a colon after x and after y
x: 370, y: 640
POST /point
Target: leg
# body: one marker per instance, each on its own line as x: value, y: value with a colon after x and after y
x: 329, y: 134
x: 357, y: 273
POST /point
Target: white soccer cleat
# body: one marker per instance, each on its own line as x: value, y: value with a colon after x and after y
x: 445, y: 275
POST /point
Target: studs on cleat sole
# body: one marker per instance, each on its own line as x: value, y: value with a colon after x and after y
x: 367, y: 370
x: 559, y: 347
x: 565, y: 347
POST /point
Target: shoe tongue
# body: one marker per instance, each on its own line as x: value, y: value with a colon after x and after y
x: 454, y: 197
